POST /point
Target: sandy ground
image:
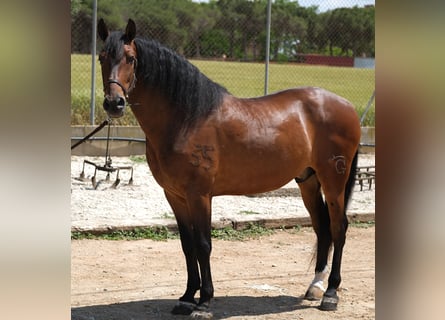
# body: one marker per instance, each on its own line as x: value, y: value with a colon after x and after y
x: 263, y: 278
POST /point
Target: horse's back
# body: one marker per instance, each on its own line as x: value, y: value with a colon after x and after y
x: 265, y: 142
x: 322, y: 113
x: 311, y: 110
x: 322, y: 105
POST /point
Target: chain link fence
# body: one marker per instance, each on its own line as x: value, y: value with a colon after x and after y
x: 226, y: 39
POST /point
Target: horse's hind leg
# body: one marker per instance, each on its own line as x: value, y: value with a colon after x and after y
x: 313, y: 200
x: 187, y: 302
x: 338, y: 226
x: 335, y: 184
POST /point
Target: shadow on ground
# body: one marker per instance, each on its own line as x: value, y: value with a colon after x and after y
x: 221, y: 307
x: 282, y: 192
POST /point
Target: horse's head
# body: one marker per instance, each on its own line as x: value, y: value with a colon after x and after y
x: 118, y: 61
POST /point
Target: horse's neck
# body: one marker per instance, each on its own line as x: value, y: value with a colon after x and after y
x: 153, y: 113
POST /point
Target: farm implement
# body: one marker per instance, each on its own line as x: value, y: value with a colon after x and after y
x: 107, y: 166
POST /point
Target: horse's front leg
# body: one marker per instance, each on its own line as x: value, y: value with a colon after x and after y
x: 200, y: 211
x: 187, y: 303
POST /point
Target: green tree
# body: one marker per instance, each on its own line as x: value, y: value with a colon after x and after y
x: 232, y: 27
x: 367, y: 44
x: 252, y: 23
x: 313, y: 40
x: 229, y: 23
x: 205, y: 39
x: 287, y: 28
x: 156, y: 19
x: 351, y: 30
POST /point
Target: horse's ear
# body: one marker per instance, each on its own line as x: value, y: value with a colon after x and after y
x: 130, y: 31
x: 102, y: 30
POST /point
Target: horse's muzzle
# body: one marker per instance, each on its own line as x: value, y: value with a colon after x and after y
x: 114, y: 106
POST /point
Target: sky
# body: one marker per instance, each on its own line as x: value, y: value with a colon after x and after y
x: 324, y: 5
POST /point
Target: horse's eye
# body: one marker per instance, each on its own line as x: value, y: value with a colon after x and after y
x: 130, y: 60
x: 101, y: 58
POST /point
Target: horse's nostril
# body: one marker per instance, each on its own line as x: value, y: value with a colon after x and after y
x: 121, y: 102
x: 114, y: 106
x: 106, y: 104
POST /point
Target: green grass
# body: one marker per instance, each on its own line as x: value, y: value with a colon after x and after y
x: 363, y: 225
x: 163, y: 233
x: 252, y: 231
x: 248, y: 212
x: 167, y: 215
x: 241, y: 79
x: 138, y: 159
x: 157, y: 234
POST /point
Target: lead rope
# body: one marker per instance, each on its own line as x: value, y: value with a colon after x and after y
x: 103, y: 124
x: 107, y: 150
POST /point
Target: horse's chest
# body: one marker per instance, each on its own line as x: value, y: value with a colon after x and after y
x: 161, y: 174
x: 179, y: 170
x: 154, y: 163
x: 154, y: 168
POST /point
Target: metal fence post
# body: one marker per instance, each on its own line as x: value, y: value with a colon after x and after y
x: 93, y: 63
x: 266, y: 75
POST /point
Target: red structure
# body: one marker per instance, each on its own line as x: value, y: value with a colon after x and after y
x: 327, y: 60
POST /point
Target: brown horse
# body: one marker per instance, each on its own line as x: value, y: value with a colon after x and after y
x: 204, y: 142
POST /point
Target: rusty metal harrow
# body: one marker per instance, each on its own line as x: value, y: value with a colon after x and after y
x: 107, y: 167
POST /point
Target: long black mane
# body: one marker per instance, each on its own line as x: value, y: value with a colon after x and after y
x: 191, y: 93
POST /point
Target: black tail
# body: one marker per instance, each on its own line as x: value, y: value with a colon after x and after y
x: 351, y: 180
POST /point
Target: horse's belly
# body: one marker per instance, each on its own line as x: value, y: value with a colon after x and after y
x: 251, y: 187
x: 255, y: 176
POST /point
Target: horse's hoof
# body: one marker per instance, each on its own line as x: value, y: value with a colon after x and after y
x: 183, y: 308
x: 313, y: 293
x: 329, y: 303
x: 199, y: 314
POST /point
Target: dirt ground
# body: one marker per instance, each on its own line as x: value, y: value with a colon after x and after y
x: 262, y: 278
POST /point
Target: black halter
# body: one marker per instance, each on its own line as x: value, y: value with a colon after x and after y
x: 120, y: 85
